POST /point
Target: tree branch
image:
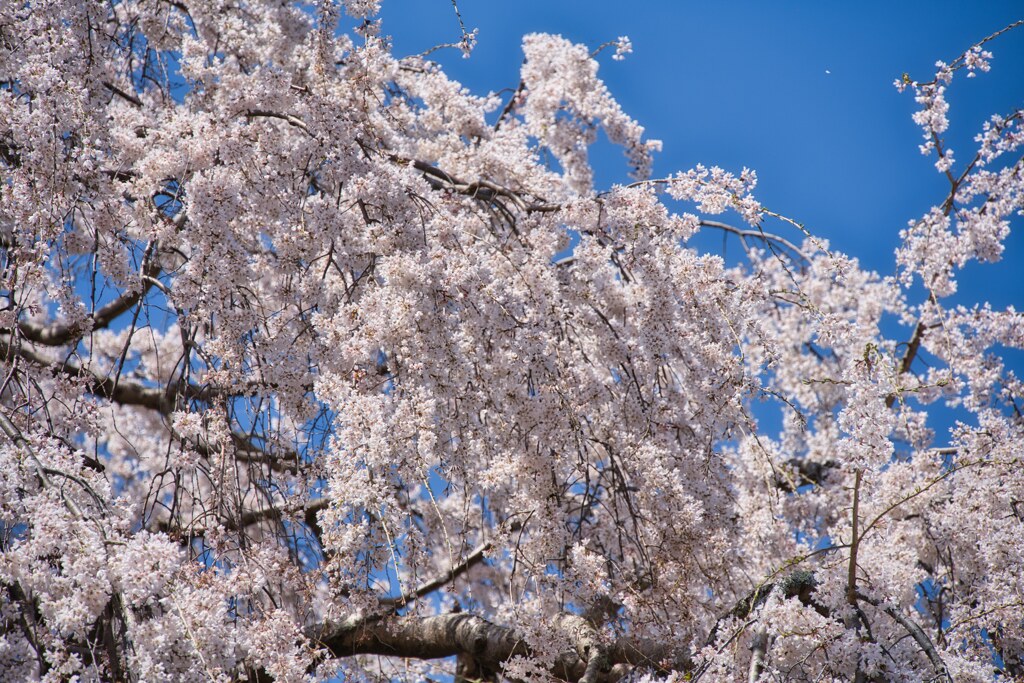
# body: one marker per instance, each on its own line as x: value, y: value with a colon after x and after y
x: 428, y: 587
x: 122, y: 94
x: 759, y: 234
x: 287, y: 118
x: 125, y: 393
x: 58, y: 334
x: 29, y: 620
x: 851, y: 579
x: 917, y: 633
x: 806, y: 471
x: 491, y: 645
x: 251, y: 517
x: 913, y: 346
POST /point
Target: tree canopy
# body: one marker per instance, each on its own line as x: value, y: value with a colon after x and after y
x: 316, y: 363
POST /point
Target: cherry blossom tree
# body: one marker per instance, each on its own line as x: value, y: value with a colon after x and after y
x: 316, y: 364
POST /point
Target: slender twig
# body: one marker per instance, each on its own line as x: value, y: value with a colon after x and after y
x: 756, y: 234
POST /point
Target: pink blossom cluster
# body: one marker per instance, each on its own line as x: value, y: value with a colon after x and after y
x: 298, y: 381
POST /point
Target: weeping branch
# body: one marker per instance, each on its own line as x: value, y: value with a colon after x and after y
x: 766, y: 237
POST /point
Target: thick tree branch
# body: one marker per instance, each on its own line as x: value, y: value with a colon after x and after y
x: 126, y: 393
x: 758, y: 652
x: 127, y: 96
x: 913, y: 346
x: 491, y: 645
x: 250, y: 517
x: 431, y: 637
x: 804, y: 472
x: 589, y: 647
x: 122, y: 392
x: 917, y: 633
x: 59, y: 334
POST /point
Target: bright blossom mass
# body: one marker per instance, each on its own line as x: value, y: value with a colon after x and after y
x: 316, y: 364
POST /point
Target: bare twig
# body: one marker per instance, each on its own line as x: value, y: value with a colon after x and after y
x: 767, y: 237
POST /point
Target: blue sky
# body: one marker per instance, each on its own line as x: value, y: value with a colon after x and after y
x: 801, y: 92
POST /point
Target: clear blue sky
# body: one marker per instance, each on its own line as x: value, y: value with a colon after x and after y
x: 799, y: 91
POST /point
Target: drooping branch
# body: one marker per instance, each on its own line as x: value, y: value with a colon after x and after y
x: 766, y: 237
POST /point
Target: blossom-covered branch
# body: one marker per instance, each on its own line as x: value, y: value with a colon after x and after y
x: 314, y: 363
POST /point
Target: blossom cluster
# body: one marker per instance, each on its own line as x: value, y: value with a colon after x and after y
x: 314, y: 362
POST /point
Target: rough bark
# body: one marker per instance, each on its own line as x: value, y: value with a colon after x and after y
x: 484, y: 647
